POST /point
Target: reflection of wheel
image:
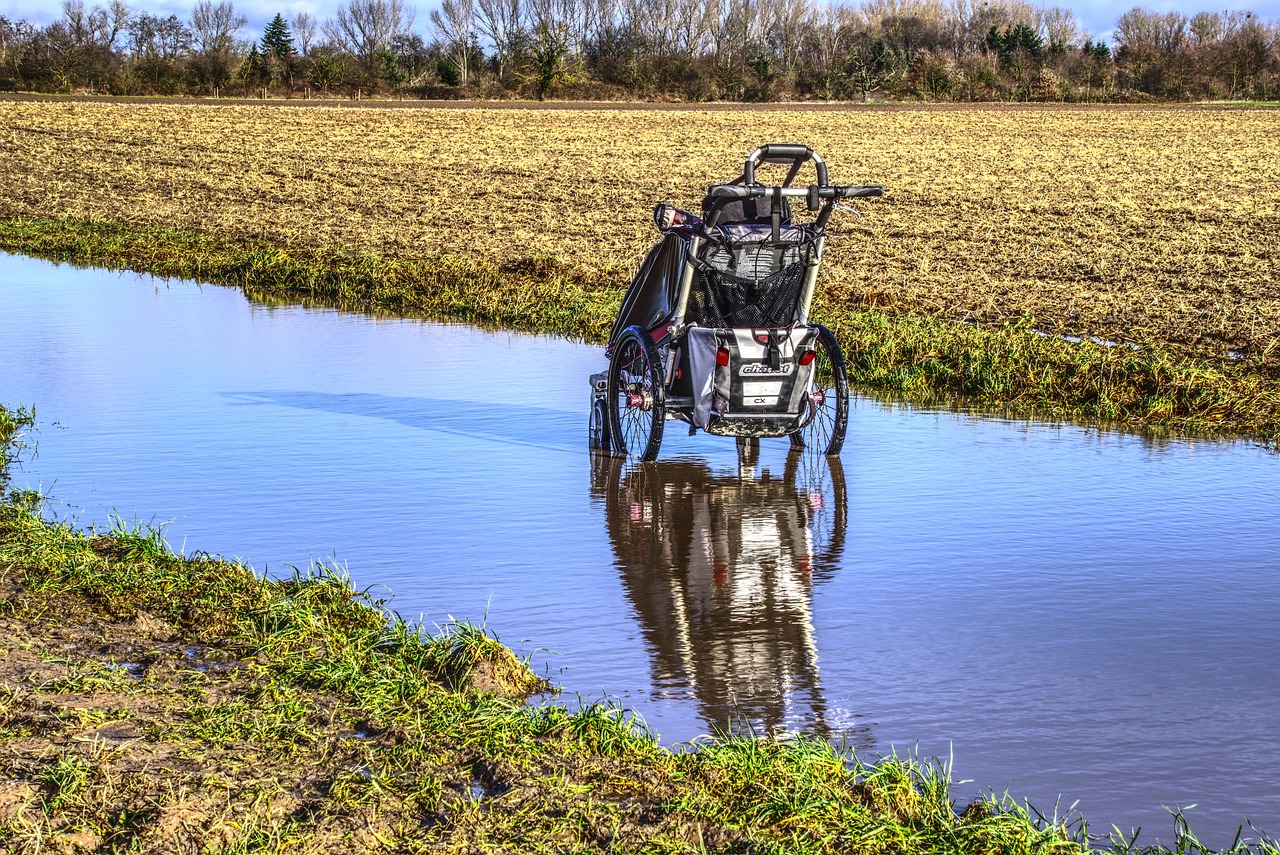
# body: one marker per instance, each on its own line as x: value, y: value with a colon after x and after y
x: 598, y: 428
x: 828, y: 399
x: 637, y: 403
x: 603, y: 469
x: 820, y: 484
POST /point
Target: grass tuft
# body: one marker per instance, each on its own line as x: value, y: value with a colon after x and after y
x: 467, y: 657
x: 16, y: 427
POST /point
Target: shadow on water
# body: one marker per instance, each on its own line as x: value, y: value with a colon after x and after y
x: 503, y: 423
x: 721, y: 568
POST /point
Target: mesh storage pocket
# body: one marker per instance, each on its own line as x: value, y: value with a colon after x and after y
x: 720, y: 299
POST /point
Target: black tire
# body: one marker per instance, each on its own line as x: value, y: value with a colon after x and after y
x: 636, y: 398
x: 598, y: 433
x: 829, y: 399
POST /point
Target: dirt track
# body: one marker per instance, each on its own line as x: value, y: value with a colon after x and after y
x: 622, y: 106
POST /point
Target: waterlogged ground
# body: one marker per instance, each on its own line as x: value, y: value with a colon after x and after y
x: 1066, y: 613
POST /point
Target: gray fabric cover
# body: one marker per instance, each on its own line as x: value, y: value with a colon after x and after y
x: 747, y: 385
x: 702, y: 344
x: 751, y: 256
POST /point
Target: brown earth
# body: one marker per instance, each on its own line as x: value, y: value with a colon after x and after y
x: 1151, y: 226
x: 92, y: 747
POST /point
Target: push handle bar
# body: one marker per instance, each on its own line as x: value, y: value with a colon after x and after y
x: 737, y: 191
x: 796, y: 155
x: 856, y: 191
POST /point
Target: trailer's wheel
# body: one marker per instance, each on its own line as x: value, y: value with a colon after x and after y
x: 637, y: 401
x: 598, y: 427
x: 828, y: 398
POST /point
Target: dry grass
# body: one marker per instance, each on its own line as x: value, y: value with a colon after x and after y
x: 1002, y: 223
x: 1153, y: 226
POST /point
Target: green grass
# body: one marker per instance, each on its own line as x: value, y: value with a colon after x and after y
x: 933, y: 360
x: 16, y: 427
x: 320, y: 651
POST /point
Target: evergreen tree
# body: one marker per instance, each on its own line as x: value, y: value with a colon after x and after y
x: 1011, y: 43
x: 276, y: 38
x: 254, y: 66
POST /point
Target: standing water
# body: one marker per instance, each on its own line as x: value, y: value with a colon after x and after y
x: 1068, y: 614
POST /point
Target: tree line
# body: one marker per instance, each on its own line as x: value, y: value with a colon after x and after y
x: 744, y: 50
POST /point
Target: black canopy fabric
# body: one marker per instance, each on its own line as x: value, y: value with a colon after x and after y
x: 651, y: 299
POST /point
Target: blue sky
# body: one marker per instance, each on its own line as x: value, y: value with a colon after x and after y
x: 1095, y: 16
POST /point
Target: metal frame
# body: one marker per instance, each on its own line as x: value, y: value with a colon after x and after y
x: 820, y: 199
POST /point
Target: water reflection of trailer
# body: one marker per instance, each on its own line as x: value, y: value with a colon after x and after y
x: 720, y: 569
x: 714, y: 330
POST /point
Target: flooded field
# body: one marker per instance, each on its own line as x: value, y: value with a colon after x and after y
x: 1070, y: 614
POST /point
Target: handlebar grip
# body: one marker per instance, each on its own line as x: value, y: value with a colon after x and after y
x: 785, y: 151
x: 734, y: 191
x: 859, y: 191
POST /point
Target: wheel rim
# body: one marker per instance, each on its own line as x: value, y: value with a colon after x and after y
x: 599, y: 425
x: 824, y: 398
x: 634, y: 398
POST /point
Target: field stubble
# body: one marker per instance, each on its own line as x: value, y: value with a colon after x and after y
x: 1154, y: 228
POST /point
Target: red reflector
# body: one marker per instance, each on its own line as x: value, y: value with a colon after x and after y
x: 808, y: 357
x: 722, y: 356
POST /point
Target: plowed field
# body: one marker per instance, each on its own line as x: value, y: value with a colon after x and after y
x: 1153, y: 226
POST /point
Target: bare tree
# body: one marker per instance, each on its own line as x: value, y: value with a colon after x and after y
x: 828, y: 35
x: 366, y: 27
x: 499, y: 22
x: 738, y: 29
x: 653, y: 23
x: 304, y: 31
x: 1242, y: 56
x: 215, y: 26
x: 455, y: 24
x: 784, y: 23
x: 154, y: 38
x: 1144, y: 29
x: 1058, y: 26
x: 692, y: 28
x: 15, y: 42
x: 119, y: 17
x: 876, y: 11
x: 97, y: 27
x: 556, y: 30
x: 1152, y: 48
